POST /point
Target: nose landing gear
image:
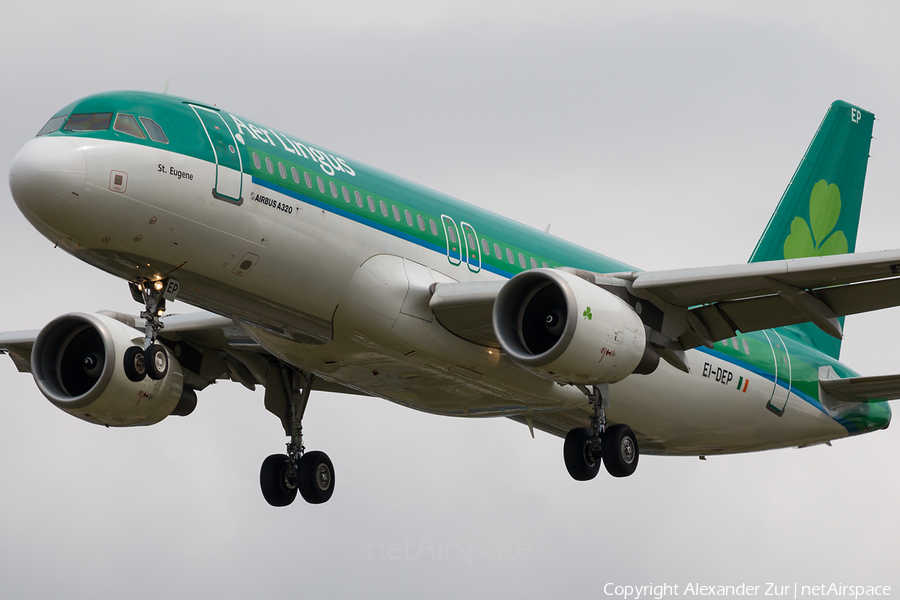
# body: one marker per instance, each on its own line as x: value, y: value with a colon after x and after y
x: 153, y: 359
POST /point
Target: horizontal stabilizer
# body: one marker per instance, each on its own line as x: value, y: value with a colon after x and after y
x: 862, y: 389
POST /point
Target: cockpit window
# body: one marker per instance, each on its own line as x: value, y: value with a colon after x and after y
x: 128, y: 124
x: 154, y: 131
x: 88, y: 122
x: 52, y: 125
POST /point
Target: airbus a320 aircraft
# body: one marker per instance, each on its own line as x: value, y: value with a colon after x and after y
x: 321, y: 273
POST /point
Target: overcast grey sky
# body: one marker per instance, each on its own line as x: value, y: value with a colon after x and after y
x: 659, y: 133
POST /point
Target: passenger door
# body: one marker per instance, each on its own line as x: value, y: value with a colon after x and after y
x: 779, y: 399
x: 229, y: 176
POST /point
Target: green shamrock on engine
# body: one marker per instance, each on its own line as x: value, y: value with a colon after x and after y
x: 587, y: 314
x: 816, y: 238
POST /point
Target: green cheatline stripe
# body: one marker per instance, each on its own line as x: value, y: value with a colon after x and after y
x: 740, y: 381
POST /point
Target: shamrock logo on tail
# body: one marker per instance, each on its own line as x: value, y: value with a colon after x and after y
x: 816, y: 238
x: 587, y: 314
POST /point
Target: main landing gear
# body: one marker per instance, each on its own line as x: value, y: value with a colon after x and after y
x: 151, y: 360
x: 282, y: 475
x: 586, y: 447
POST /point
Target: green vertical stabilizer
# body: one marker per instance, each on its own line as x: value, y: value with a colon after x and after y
x: 818, y: 215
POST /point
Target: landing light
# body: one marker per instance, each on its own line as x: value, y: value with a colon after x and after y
x: 158, y: 285
x: 160, y: 312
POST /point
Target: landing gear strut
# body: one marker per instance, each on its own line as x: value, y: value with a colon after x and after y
x: 585, y: 447
x: 153, y: 359
x: 283, y: 475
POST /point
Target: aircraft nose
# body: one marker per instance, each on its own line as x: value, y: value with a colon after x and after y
x: 46, y: 178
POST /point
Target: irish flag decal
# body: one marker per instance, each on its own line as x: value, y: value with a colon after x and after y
x: 742, y: 384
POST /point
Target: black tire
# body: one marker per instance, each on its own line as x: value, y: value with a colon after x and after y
x: 156, y: 360
x: 620, y: 450
x: 580, y: 463
x: 273, y: 481
x: 135, y: 370
x: 316, y: 477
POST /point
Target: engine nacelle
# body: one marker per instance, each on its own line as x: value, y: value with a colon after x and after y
x: 571, y: 331
x: 77, y: 363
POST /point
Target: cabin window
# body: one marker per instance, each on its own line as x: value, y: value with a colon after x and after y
x: 408, y: 218
x: 734, y: 342
x: 497, y: 252
x: 295, y: 174
x: 154, y: 131
x: 334, y: 192
x: 421, y: 222
x: 509, y: 256
x: 88, y: 122
x: 452, y: 232
x: 371, y: 203
x: 269, y: 166
x: 307, y: 179
x: 746, y: 347
x: 127, y: 124
x: 533, y: 263
x: 545, y: 265
x: 485, y: 246
x: 52, y: 125
x: 396, y: 213
x: 256, y: 162
x: 521, y: 260
x: 321, y: 185
x: 472, y: 244
x: 346, y: 193
x: 384, y: 210
x: 358, y: 196
x: 282, y: 170
x: 433, y: 226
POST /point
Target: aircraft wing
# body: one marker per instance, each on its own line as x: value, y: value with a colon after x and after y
x: 18, y: 345
x: 694, y: 307
x: 716, y: 302
x: 212, y: 347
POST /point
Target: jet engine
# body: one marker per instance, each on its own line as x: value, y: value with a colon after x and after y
x: 566, y: 329
x: 77, y: 363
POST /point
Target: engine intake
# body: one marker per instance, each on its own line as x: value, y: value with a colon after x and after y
x: 76, y: 362
x: 571, y: 331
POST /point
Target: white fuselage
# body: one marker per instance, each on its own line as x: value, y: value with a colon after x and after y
x: 349, y: 302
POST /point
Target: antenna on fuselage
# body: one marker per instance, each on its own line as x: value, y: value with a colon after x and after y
x: 166, y: 87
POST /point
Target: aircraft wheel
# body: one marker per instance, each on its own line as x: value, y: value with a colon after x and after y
x: 273, y: 479
x: 580, y: 461
x: 620, y: 450
x: 316, y: 477
x: 135, y: 370
x: 156, y: 360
